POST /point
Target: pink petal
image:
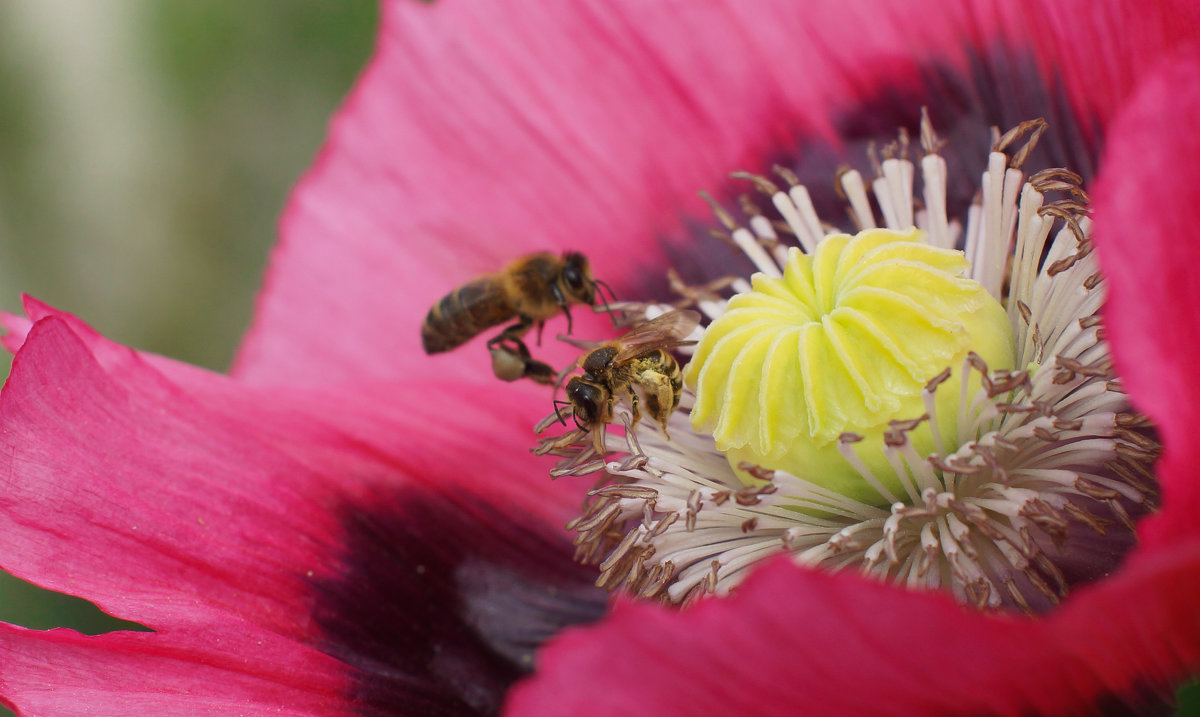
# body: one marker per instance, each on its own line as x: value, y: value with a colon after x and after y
x: 111, y: 496
x: 793, y: 641
x: 335, y: 426
x: 15, y: 329
x: 481, y: 132
x: 1147, y: 211
x: 404, y: 516
x: 198, y: 672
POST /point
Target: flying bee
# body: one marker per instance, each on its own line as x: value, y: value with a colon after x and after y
x: 534, y: 288
x: 637, y: 361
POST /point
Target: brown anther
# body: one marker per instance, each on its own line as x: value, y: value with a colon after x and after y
x: 619, y: 552
x: 1025, y: 312
x: 760, y: 182
x: 873, y: 159
x: 1135, y: 474
x: 723, y: 216
x: 1002, y: 382
x: 1041, y: 433
x: 658, y: 579
x: 648, y: 514
x: 786, y: 175
x: 933, y: 383
x: 1121, y: 514
x: 930, y: 142
x: 1097, y: 370
x: 978, y: 591
x: 1063, y: 424
x: 1129, y: 451
x: 1144, y: 442
x: 1059, y: 179
x: 1005, y: 442
x: 1046, y: 518
x: 1030, y: 130
x: 757, y: 471
x: 976, y: 362
x: 749, y: 525
x: 752, y: 495
x: 748, y: 207
x: 838, y: 174
x: 897, y: 433
x: 1017, y: 597
x: 1096, y: 523
x: 601, y: 517
x: 1042, y: 586
x: 626, y: 491
x: 663, y: 523
x: 952, y: 464
x: 1062, y: 265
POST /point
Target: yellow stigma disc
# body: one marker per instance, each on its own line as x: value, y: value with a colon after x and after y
x: 844, y: 342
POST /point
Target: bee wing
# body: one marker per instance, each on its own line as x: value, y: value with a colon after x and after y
x: 662, y: 332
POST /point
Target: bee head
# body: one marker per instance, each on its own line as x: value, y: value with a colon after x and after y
x: 585, y: 399
x: 577, y: 281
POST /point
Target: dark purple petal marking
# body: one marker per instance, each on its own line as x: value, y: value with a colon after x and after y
x: 443, y: 600
x: 1003, y: 89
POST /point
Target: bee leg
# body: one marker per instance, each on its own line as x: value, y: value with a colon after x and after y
x: 539, y: 372
x: 562, y: 304
x: 511, y: 361
x: 567, y: 313
x: 664, y: 402
x: 509, y: 365
x: 598, y: 432
x: 512, y: 333
x: 635, y: 408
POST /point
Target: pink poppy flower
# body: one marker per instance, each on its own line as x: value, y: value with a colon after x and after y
x: 346, y: 526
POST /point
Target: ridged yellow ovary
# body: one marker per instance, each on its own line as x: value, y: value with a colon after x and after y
x: 843, y: 342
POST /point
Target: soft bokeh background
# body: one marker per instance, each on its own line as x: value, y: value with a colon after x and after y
x: 146, y: 150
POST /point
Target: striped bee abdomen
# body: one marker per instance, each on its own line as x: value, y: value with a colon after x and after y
x: 465, y: 312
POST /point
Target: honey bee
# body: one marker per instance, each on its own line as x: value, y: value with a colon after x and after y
x: 534, y: 288
x: 639, y: 360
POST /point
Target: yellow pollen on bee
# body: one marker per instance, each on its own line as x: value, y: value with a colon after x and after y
x: 843, y: 342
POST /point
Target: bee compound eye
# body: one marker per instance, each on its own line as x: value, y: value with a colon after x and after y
x: 573, y: 277
x: 583, y: 401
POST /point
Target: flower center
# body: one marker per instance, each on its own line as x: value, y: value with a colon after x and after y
x: 852, y: 406
x: 843, y: 342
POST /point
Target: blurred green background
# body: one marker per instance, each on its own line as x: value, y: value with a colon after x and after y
x: 147, y: 147
x: 146, y: 151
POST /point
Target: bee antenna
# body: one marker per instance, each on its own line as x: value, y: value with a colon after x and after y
x: 557, y: 413
x: 601, y: 285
